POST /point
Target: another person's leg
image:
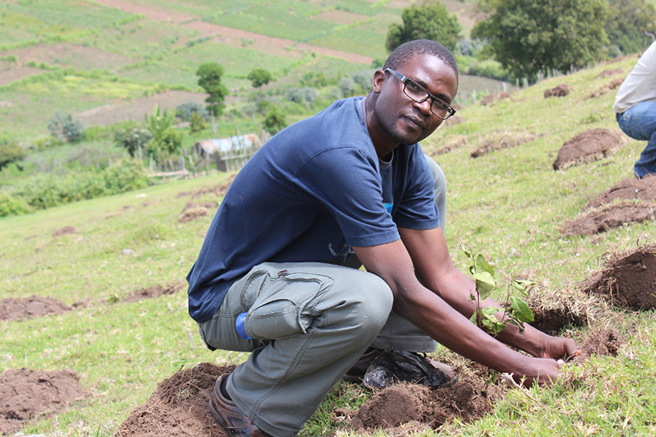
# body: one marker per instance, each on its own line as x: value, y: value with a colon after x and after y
x: 639, y: 123
x: 309, y: 322
x: 440, y: 190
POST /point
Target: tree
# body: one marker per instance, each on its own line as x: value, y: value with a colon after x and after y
x: 628, y: 22
x: 209, y: 78
x: 259, y: 77
x: 274, y: 120
x: 532, y: 36
x: 431, y: 20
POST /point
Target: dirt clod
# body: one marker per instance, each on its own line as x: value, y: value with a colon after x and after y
x: 560, y: 91
x: 627, y: 189
x: 154, y: 291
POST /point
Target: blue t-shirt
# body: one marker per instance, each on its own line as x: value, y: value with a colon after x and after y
x: 309, y: 194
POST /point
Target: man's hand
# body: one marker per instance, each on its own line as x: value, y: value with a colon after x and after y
x: 558, y: 348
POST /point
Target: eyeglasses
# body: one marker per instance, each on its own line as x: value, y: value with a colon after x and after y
x: 420, y: 94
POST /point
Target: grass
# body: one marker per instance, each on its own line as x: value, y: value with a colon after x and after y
x: 508, y: 205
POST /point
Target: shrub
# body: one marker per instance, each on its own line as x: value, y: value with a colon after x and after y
x: 65, y: 128
x: 185, y: 110
x: 10, y: 152
x: 48, y: 190
x: 10, y: 205
x: 302, y: 95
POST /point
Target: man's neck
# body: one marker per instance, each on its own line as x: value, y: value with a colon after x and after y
x: 384, y: 146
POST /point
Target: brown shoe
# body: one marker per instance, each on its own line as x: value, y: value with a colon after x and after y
x: 230, y: 416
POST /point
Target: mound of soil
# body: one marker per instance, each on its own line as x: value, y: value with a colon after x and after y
x: 628, y: 280
x: 27, y: 395
x: 30, y: 307
x: 178, y: 407
x: 154, y: 291
x: 591, y: 145
x: 608, y: 217
x: 560, y: 91
x: 468, y: 399
x: 628, y: 189
x: 503, y: 140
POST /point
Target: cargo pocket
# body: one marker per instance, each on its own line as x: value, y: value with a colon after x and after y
x: 284, y: 305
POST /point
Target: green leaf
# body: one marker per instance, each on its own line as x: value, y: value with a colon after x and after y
x: 521, y: 311
x: 485, y: 284
x: 482, y: 265
x: 521, y: 285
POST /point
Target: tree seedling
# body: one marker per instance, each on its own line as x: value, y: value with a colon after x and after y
x: 515, y: 311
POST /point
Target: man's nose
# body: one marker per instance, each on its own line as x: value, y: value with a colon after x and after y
x: 425, y: 106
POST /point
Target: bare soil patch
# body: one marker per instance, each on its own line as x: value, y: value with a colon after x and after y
x: 608, y: 217
x: 628, y: 279
x: 154, y: 291
x: 502, y: 140
x: 138, y: 108
x: 231, y: 35
x: 10, y: 75
x: 31, y: 307
x: 68, y: 55
x: 603, y: 341
x: 591, y: 145
x: 628, y: 189
x: 27, y: 395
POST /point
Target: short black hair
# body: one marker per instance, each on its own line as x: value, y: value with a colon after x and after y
x: 407, y: 50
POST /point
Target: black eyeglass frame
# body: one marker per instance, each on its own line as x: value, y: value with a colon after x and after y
x: 404, y: 79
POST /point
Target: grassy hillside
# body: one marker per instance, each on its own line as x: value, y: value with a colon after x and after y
x: 508, y: 204
x: 96, y: 58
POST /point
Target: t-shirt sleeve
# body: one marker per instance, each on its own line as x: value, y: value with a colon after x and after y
x: 346, y: 183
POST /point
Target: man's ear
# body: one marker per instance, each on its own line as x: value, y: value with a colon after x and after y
x: 378, y: 81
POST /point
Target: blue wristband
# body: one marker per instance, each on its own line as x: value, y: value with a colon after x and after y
x: 239, y: 324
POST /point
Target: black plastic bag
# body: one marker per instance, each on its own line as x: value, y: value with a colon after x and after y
x: 392, y: 366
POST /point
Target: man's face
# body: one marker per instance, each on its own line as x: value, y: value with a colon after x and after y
x: 404, y: 120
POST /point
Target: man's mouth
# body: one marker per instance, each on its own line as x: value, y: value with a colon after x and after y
x: 415, y: 122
